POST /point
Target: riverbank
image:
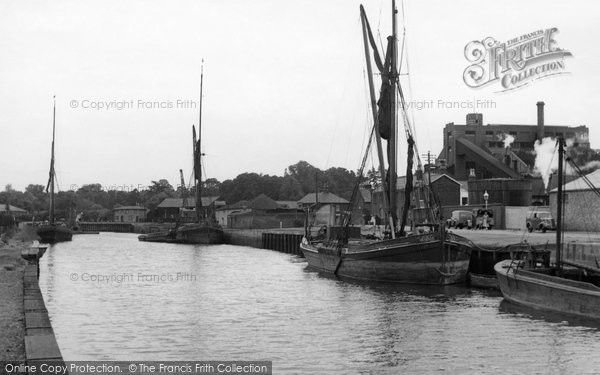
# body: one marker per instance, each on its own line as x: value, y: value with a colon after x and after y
x: 27, y: 333
x: 12, y: 316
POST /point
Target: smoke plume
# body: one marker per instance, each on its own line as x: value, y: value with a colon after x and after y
x: 506, y: 138
x: 591, y: 166
x: 546, y: 158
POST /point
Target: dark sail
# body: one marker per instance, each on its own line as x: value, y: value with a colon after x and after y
x: 197, y: 175
x: 409, y: 183
x: 384, y: 104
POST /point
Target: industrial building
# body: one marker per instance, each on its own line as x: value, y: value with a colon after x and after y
x: 497, y: 150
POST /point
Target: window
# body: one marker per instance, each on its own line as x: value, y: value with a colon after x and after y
x: 489, y: 132
x: 470, y: 132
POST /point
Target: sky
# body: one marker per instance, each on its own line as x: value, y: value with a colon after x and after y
x: 283, y: 81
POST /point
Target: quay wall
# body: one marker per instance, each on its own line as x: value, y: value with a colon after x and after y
x: 40, y: 342
x: 286, y: 240
x: 106, y: 227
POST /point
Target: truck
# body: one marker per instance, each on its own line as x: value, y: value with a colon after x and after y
x: 540, y: 220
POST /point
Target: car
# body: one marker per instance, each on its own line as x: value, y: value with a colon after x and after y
x: 460, y: 219
x: 540, y: 220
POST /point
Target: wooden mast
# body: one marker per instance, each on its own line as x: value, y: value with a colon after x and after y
x: 52, y: 174
x: 198, y: 154
x: 386, y: 198
x: 559, y: 202
x: 183, y: 192
x: 393, y: 130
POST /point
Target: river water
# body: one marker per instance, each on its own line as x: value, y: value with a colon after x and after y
x: 112, y: 297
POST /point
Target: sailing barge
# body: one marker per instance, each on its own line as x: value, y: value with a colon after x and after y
x: 52, y: 231
x: 430, y: 254
x: 205, y: 230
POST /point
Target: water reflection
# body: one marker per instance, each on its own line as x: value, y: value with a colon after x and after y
x: 255, y: 304
x: 525, y: 312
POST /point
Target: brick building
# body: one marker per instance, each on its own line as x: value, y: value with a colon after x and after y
x: 582, y: 204
x: 129, y: 214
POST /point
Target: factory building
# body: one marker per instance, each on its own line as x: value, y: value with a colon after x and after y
x: 497, y: 150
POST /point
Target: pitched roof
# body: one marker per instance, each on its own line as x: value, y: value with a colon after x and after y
x: 435, y: 177
x: 177, y: 202
x: 262, y: 202
x: 129, y: 208
x: 11, y: 208
x: 580, y: 185
x: 487, y: 158
x: 237, y: 205
x: 288, y: 204
x: 324, y: 198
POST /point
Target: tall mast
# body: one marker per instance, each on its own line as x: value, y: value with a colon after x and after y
x: 559, y: 202
x: 198, y: 153
x: 52, y: 174
x: 393, y: 133
x: 386, y: 198
x: 183, y: 191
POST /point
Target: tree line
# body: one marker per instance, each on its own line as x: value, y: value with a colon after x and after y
x: 96, y: 203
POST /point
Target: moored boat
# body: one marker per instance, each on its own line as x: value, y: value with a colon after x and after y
x: 52, y: 231
x: 205, y: 230
x: 483, y: 260
x: 548, y: 289
x: 566, y: 287
x: 202, y: 233
x: 428, y: 254
x: 417, y: 259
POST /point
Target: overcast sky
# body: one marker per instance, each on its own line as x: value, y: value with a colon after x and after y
x: 283, y: 81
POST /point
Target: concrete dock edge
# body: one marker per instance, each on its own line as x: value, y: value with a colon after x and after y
x: 40, y: 342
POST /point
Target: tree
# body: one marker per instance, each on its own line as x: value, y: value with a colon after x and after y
x: 340, y: 181
x: 211, y: 187
x: 290, y: 189
x: 36, y: 199
x: 161, y: 186
x: 305, y: 174
x: 373, y: 177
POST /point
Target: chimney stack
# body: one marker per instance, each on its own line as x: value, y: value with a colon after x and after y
x: 472, y: 174
x: 540, y: 120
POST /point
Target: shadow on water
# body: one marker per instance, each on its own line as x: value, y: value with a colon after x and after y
x: 438, y: 293
x: 525, y: 312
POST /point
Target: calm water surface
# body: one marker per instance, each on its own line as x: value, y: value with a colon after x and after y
x: 186, y: 302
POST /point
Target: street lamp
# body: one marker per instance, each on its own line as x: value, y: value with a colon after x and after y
x: 486, y: 196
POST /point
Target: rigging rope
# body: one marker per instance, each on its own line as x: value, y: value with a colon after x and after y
x: 342, y: 237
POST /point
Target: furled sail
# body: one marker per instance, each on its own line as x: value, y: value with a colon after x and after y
x: 384, y: 104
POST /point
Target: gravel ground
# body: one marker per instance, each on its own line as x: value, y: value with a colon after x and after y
x: 12, y: 324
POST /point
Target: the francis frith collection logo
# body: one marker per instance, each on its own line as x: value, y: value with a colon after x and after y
x: 516, y: 62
